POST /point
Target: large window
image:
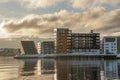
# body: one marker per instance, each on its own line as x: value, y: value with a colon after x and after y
x: 110, y: 40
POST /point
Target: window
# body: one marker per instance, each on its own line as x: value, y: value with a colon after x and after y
x: 109, y: 39
x: 106, y: 44
x: 106, y: 47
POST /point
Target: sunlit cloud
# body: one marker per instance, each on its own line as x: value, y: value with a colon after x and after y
x: 33, y: 4
x: 98, y: 19
x: 4, y: 1
x: 83, y: 4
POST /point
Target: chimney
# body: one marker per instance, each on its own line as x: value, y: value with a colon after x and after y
x: 91, y: 31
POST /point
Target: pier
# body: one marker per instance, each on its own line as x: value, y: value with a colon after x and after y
x: 71, y: 55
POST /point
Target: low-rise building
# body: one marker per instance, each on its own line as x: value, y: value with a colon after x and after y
x: 111, y: 45
x: 9, y: 51
x: 28, y: 47
x: 47, y: 47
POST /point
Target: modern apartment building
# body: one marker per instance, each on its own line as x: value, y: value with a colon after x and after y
x: 47, y: 47
x: 68, y: 42
x: 86, y: 42
x: 111, y: 45
x: 62, y: 40
x: 28, y: 47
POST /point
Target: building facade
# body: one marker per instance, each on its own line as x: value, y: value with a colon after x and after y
x: 86, y: 42
x: 68, y: 42
x: 28, y: 47
x: 47, y: 47
x: 111, y: 45
x: 62, y: 40
x: 39, y: 47
x: 9, y: 51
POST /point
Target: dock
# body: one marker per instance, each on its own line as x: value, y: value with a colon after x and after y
x: 106, y: 56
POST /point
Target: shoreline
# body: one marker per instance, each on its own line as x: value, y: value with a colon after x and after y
x: 36, y: 56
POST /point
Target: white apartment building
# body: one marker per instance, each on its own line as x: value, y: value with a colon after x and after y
x: 111, y: 45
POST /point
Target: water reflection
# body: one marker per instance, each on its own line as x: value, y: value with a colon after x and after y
x: 87, y: 69
x: 34, y: 67
x: 27, y: 67
x: 50, y: 69
x: 119, y: 69
x: 8, y: 68
x: 47, y: 66
x: 78, y: 70
x: 111, y: 69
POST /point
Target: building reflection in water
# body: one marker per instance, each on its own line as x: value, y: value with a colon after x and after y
x: 27, y: 67
x: 47, y: 66
x: 34, y: 67
x: 87, y: 70
x: 76, y: 69
x: 111, y: 69
x: 118, y: 69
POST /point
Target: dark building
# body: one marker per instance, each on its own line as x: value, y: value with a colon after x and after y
x: 28, y: 47
x: 85, y: 42
x: 47, y: 47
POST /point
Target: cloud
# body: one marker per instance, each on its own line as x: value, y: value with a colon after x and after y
x: 4, y: 1
x: 98, y: 19
x: 33, y: 4
x: 110, y: 2
x: 92, y: 3
x: 109, y: 22
x: 83, y: 4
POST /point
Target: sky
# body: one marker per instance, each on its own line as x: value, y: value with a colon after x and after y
x: 38, y: 18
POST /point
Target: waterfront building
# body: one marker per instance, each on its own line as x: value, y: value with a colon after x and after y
x: 47, y: 47
x: 111, y: 45
x: 28, y: 47
x: 39, y: 47
x: 68, y: 42
x: 62, y: 40
x: 9, y: 51
x: 86, y: 42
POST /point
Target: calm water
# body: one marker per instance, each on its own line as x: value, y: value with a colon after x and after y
x: 49, y: 69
